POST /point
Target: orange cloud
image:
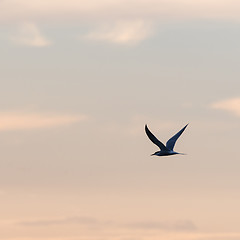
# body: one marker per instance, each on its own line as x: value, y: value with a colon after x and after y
x: 20, y: 121
x: 231, y: 105
x: 15, y: 10
x: 122, y: 32
x: 29, y: 35
x: 118, y: 21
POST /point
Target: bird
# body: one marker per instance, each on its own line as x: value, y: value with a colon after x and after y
x: 168, y: 149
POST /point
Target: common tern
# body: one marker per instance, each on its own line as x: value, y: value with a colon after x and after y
x: 168, y: 149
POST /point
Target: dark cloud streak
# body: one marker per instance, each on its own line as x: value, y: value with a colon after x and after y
x: 61, y: 221
x: 183, y: 225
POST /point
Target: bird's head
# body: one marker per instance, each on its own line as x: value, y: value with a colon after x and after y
x: 156, y: 154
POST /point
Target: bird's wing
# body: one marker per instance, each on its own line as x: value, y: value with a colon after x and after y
x: 154, y: 139
x: 171, y: 142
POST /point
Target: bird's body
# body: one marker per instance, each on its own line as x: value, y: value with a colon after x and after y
x: 164, y: 153
x: 168, y: 149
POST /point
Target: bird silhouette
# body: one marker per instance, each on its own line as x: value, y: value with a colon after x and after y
x: 168, y: 149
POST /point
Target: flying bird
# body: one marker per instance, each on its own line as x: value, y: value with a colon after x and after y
x: 168, y: 149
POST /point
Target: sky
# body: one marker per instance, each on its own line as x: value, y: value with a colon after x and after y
x: 79, y: 80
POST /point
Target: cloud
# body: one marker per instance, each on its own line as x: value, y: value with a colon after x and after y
x: 167, y: 226
x: 122, y: 32
x: 107, y: 235
x: 90, y: 221
x: 25, y: 10
x: 60, y: 221
x: 90, y: 228
x: 119, y: 21
x: 20, y: 121
x: 29, y: 35
x: 231, y: 105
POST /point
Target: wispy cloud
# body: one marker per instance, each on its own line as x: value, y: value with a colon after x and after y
x: 231, y: 105
x: 60, y: 221
x: 20, y: 10
x: 21, y: 120
x: 91, y: 228
x: 185, y: 225
x: 140, y: 236
x: 122, y: 32
x: 28, y: 34
x: 120, y: 16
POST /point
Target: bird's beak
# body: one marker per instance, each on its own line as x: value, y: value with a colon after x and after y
x: 152, y: 154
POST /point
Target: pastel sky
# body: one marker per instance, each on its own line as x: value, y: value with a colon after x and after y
x: 79, y: 80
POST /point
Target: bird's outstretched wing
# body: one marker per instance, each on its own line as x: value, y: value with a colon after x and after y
x: 154, y: 139
x: 171, y: 142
